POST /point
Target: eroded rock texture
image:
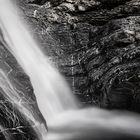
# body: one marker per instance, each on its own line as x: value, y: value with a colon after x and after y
x: 20, y: 118
x: 95, y: 44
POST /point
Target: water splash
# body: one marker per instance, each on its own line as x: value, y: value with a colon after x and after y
x: 95, y: 124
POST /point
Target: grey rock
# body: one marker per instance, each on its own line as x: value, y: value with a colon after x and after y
x: 17, y: 100
x: 95, y: 44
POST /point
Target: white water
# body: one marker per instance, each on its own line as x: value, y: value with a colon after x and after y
x: 54, y: 98
x: 45, y: 79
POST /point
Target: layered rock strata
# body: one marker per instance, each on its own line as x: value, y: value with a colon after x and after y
x: 95, y: 44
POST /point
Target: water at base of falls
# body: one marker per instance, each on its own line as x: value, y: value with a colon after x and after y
x: 55, y: 101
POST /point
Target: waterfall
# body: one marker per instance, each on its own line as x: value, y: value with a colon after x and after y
x: 55, y: 101
x: 52, y: 92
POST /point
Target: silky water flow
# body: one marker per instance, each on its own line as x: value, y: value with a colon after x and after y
x: 65, y: 120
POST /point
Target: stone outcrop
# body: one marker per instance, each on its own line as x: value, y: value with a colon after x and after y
x: 95, y: 44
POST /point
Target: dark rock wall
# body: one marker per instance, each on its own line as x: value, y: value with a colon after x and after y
x: 95, y: 44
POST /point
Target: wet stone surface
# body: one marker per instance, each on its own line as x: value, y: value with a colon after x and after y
x: 95, y: 44
x: 20, y: 117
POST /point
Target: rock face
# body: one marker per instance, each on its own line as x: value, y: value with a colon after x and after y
x: 20, y: 117
x: 95, y: 44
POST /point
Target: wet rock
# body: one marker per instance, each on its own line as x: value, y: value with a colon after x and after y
x: 20, y: 117
x: 95, y: 44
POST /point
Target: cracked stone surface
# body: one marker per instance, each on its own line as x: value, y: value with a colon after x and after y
x: 95, y: 44
x: 90, y: 41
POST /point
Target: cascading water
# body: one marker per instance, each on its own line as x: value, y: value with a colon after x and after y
x: 35, y: 64
x: 54, y: 98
